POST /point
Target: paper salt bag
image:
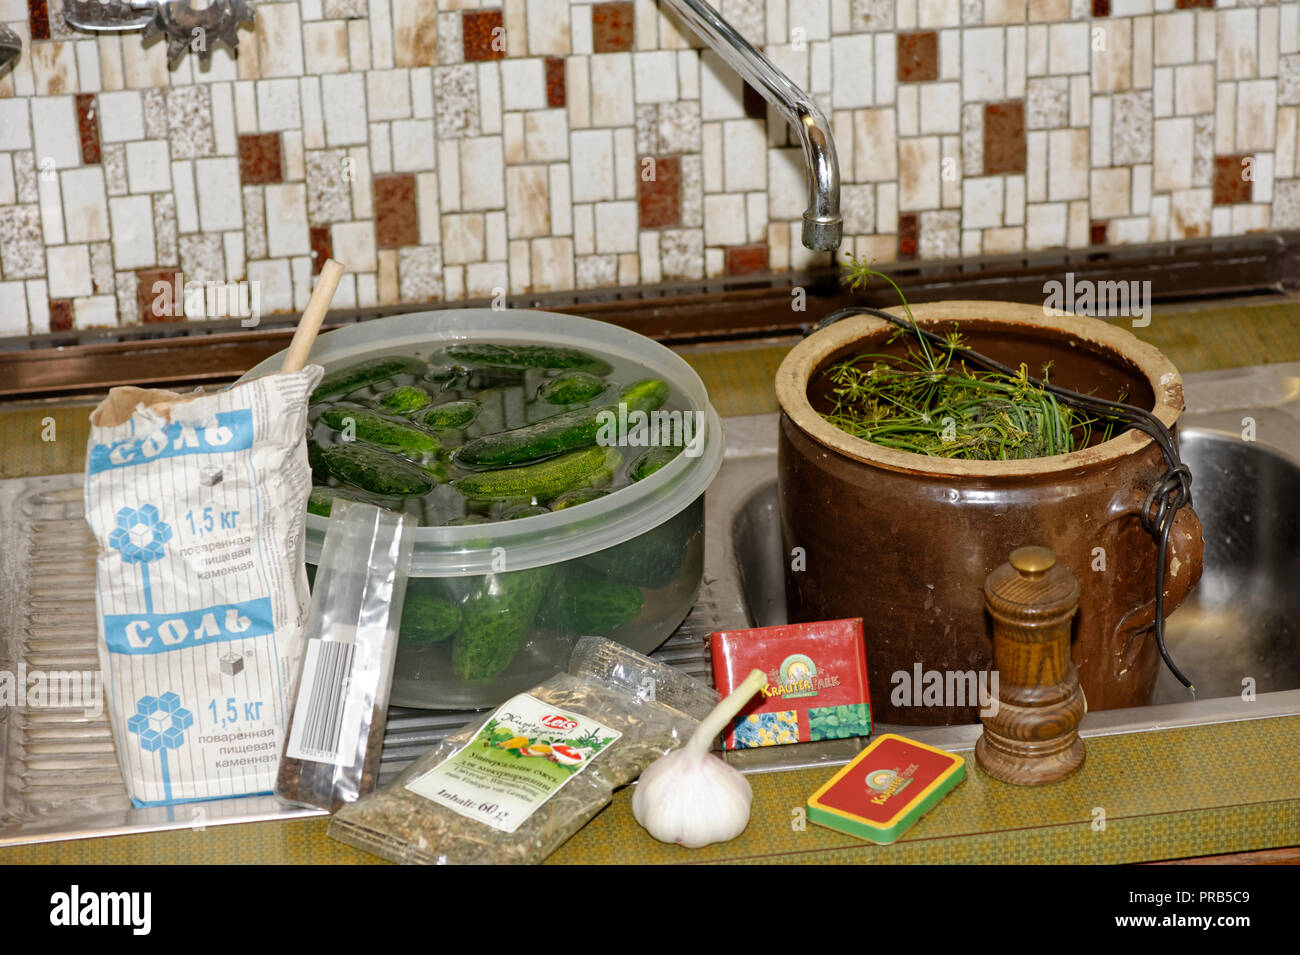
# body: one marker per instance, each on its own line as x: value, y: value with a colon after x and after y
x: 198, y: 505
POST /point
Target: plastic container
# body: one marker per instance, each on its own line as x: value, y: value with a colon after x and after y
x: 649, y: 535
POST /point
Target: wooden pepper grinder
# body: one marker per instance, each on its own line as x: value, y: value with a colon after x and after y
x: 1033, y: 737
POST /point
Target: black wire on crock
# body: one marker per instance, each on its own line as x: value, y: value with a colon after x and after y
x: 1167, y: 495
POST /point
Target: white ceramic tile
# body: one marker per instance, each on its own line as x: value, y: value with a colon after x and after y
x: 950, y: 55
x: 1045, y: 225
x: 655, y: 76
x: 584, y: 229
x: 286, y: 220
x: 218, y: 182
x: 885, y: 60
x: 938, y: 13
x: 611, y: 90
x: 528, y: 201
x: 940, y: 110
x: 132, y: 220
x: 616, y: 227
x: 343, y: 103
x: 1080, y: 101
x: 592, y: 163
x: 1036, y: 166
x: 720, y: 89
x: 1140, y: 191
x: 851, y: 71
x: 388, y: 94
x: 422, y: 93
x: 38, y: 306
x: 1256, y: 114
x: 1014, y: 212
x: 577, y: 91
x: 1237, y: 44
x: 325, y: 46
x: 787, y: 184
x: 1262, y: 188
x: 1112, y: 56
x: 1285, y: 155
x: 8, y: 193
x: 983, y: 64
x: 887, y: 208
x: 982, y: 202
x: 625, y: 164
x: 381, y: 148
x: 1068, y: 162
x: 354, y: 244
x: 1207, y: 35
x: 878, y: 161
x: 463, y: 238
x: 412, y: 145
x: 68, y: 271
x: 547, y: 21
x: 546, y: 135
x: 1069, y: 48
x: 57, y: 138
x: 449, y: 175
x: 1225, y: 114
x: 279, y: 39
x: 1100, y: 137
x: 51, y: 208
x: 523, y: 84
x: 85, y: 205
x: 1194, y: 89
x: 724, y: 219
x: 1016, y: 67
x: 919, y: 178
x: 429, y: 213
x: 909, y: 110
x: 148, y: 166
x: 1036, y: 48
x: 278, y: 105
x: 1143, y: 28
x: 121, y: 117
x: 1109, y: 198
x: 15, y: 126
x: 94, y: 311
x: 13, y: 308
x: 743, y: 155
x: 1175, y: 38
x: 482, y: 173
x: 1172, y: 168
x: 489, y: 98
x: 561, y: 200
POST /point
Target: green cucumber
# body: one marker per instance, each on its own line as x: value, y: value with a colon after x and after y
x: 528, y: 510
x: 586, y: 604
x: 427, y: 617
x: 544, y: 481
x: 528, y: 356
x: 453, y: 414
x: 574, y: 498
x: 349, y: 379
x: 571, y: 388
x: 379, y: 429
x: 375, y: 470
x: 566, y: 431
x: 652, y: 461
x: 321, y: 500
x: 655, y: 558
x: 405, y: 399
x: 495, y: 621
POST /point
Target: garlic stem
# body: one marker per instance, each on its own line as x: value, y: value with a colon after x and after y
x: 725, y: 712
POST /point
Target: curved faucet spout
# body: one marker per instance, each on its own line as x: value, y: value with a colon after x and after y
x: 822, y: 225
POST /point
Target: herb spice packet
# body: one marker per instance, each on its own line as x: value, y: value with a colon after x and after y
x: 816, y: 682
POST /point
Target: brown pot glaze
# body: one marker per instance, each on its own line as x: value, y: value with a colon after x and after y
x: 905, y: 541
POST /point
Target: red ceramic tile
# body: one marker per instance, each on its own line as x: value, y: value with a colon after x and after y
x: 1097, y: 230
x: 555, y: 90
x: 1004, y: 137
x: 1101, y: 8
x: 484, y: 35
x: 259, y: 159
x: 60, y: 314
x: 38, y: 18
x: 322, y: 247
x: 659, y: 200
x: 612, y: 27
x: 396, y: 222
x: 907, y: 235
x: 1230, y: 183
x: 746, y: 259
x: 1189, y: 4
x: 145, y: 296
x: 88, y: 128
x: 918, y: 57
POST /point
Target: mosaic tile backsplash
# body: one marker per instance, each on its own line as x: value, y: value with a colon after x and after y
x: 444, y: 150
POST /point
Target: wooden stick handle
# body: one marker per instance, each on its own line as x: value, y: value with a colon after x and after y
x: 312, y: 316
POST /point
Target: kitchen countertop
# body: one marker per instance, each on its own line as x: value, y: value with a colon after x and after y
x: 1193, y: 791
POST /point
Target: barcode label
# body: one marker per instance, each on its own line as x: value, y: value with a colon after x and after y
x: 318, y: 721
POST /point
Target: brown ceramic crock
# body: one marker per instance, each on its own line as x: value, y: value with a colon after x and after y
x: 905, y: 541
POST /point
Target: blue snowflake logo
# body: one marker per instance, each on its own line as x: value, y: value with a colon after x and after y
x: 160, y: 722
x: 140, y: 534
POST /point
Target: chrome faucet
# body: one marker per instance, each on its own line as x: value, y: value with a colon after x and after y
x: 822, y: 226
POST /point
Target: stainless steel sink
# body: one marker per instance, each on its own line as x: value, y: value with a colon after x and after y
x: 1237, y: 636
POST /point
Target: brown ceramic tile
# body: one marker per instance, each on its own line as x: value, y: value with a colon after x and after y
x: 907, y: 236
x: 88, y: 128
x: 918, y: 57
x: 259, y: 159
x: 60, y: 310
x: 755, y: 105
x: 38, y: 18
x: 396, y: 221
x: 1101, y: 8
x: 1004, y: 137
x: 1230, y: 185
x: 611, y: 27
x: 555, y: 89
x: 660, y: 200
x: 1097, y: 230
x: 479, y: 30
x: 144, y: 294
x: 746, y: 259
x: 1189, y: 4
x: 322, y: 247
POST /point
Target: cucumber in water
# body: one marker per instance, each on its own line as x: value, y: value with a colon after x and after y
x: 375, y: 470
x: 405, y: 400
x: 495, y: 621
x: 571, y: 388
x: 378, y: 429
x: 349, y: 379
x: 545, y: 480
x: 558, y: 433
x: 452, y: 414
x: 528, y: 356
x: 428, y: 617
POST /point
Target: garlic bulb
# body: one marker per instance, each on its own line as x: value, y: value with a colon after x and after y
x: 690, y: 796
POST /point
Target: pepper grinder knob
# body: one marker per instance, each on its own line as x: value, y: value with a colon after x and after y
x: 1031, y: 735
